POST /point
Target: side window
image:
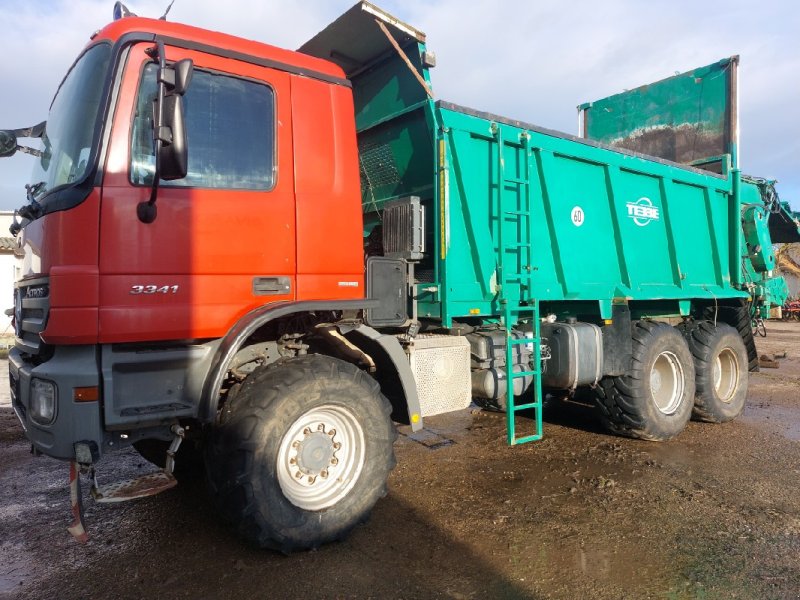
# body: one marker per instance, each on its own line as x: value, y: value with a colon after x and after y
x: 230, y: 130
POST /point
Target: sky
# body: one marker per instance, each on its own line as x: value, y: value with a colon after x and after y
x: 533, y: 60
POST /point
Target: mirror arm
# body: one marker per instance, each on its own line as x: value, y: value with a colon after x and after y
x: 147, y: 211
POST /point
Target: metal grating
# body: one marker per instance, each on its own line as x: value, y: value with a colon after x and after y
x: 440, y: 364
x: 378, y: 167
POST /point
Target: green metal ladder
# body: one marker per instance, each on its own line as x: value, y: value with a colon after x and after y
x: 515, y: 306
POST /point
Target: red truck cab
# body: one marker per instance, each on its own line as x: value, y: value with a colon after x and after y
x: 126, y: 311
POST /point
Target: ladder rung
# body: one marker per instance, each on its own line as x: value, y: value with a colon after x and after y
x: 520, y: 341
x: 520, y: 374
x: 527, y: 438
x: 517, y: 213
x: 525, y: 275
x: 520, y: 245
x: 515, y: 180
x: 528, y: 406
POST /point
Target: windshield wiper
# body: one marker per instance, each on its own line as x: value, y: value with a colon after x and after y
x: 31, y: 211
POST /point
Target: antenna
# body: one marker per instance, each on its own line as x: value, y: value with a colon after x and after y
x: 166, y: 12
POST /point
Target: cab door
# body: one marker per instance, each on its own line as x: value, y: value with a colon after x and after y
x: 223, y: 241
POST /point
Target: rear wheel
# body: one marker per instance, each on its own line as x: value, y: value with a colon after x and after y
x: 654, y: 401
x: 302, y: 453
x: 720, y: 361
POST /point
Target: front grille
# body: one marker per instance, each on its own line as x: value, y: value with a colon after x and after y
x: 31, y: 308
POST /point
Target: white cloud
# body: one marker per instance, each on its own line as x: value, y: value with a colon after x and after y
x: 529, y: 60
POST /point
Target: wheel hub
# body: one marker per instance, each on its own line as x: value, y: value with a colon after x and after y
x: 321, y: 457
x: 315, y: 452
x: 667, y: 382
x: 725, y: 375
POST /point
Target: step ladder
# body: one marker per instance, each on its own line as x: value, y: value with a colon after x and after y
x: 516, y: 303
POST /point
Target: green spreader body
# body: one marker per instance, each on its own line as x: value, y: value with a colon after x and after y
x: 583, y: 226
x: 522, y: 227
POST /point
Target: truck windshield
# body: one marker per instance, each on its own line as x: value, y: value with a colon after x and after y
x: 71, y: 122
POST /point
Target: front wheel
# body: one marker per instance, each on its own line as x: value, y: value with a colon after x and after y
x: 654, y: 400
x: 302, y: 453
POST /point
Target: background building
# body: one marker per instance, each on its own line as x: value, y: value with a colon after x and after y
x: 8, y: 245
x: 788, y: 259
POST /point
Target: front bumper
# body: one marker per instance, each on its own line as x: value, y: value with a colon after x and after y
x: 70, y: 367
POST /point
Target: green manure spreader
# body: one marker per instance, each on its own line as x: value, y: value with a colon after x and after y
x: 625, y: 261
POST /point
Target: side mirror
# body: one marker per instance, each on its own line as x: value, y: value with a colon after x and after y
x: 8, y: 143
x: 173, y: 151
x: 183, y: 75
x: 169, y: 127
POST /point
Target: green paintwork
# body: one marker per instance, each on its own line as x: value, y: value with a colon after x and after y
x: 523, y: 221
x: 650, y: 231
x: 756, y: 236
x: 759, y: 198
x: 687, y: 118
x: 394, y: 124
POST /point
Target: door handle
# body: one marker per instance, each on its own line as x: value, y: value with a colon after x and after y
x: 266, y: 286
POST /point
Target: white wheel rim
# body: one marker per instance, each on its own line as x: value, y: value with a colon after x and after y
x: 725, y: 373
x: 667, y: 382
x: 321, y: 457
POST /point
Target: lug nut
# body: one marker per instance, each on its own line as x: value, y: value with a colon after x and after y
x: 334, y: 461
x: 295, y: 444
x: 337, y: 445
x: 298, y: 475
x: 324, y: 474
x: 293, y: 461
x: 321, y: 427
x: 306, y: 431
x: 332, y: 432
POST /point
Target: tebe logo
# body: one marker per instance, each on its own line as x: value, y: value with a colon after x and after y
x: 642, y: 211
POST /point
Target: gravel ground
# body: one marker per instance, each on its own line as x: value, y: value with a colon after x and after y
x: 582, y: 514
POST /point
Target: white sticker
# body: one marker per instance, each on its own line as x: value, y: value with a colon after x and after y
x: 577, y: 216
x: 642, y: 211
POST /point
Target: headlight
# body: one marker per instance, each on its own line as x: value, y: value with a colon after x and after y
x: 43, y: 401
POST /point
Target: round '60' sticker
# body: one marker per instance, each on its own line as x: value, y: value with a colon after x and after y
x: 577, y: 216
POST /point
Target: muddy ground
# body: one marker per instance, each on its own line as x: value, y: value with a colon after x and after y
x: 582, y: 514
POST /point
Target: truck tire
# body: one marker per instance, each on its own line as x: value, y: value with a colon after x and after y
x: 721, y: 366
x: 654, y: 401
x: 739, y: 318
x: 302, y: 453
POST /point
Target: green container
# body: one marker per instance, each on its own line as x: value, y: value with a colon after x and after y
x: 590, y: 224
x: 516, y: 213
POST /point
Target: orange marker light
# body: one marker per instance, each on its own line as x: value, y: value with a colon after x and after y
x: 86, y: 394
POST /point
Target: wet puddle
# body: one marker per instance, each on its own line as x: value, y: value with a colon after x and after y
x: 784, y: 418
x: 14, y: 570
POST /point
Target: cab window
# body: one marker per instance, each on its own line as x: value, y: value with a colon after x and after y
x: 230, y: 131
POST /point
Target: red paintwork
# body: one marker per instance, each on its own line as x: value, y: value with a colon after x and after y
x: 117, y: 29
x: 64, y: 245
x: 209, y: 243
x: 326, y: 182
